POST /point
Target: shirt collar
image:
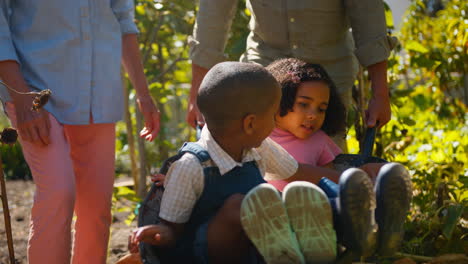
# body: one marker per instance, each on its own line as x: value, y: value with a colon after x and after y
x: 222, y: 160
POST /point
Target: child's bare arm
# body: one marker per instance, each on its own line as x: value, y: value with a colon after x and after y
x: 313, y: 174
x: 164, y: 235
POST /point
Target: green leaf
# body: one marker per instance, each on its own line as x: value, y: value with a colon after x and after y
x: 121, y: 191
x: 402, y: 93
x: 389, y: 17
x: 454, y: 213
x: 140, y: 9
x: 124, y: 209
x: 408, y: 121
x: 416, y: 46
x: 130, y: 219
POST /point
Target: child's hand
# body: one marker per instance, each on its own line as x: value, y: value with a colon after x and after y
x: 158, y: 179
x: 158, y: 235
x: 133, y: 258
x: 372, y: 169
x: 132, y: 245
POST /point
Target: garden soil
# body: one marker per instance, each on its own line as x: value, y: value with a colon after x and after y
x: 20, y: 197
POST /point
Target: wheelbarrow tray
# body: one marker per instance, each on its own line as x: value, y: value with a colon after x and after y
x: 343, y: 162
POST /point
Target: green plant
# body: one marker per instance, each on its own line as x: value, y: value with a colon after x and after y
x: 429, y: 137
x: 428, y: 132
x: 437, y: 44
x: 128, y: 203
x: 14, y: 165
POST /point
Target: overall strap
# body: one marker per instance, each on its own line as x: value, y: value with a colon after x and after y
x: 195, y: 149
x: 188, y: 147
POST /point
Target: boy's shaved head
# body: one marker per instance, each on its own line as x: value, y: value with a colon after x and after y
x: 232, y: 90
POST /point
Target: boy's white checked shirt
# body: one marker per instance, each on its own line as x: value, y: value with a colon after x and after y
x: 185, y: 180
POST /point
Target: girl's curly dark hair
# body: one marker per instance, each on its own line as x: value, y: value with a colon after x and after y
x: 290, y: 73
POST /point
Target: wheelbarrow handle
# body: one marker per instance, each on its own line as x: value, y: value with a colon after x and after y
x: 368, y: 142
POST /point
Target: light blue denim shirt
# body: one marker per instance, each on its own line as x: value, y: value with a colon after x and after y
x: 73, y: 48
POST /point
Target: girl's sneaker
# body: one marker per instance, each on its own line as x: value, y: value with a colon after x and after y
x: 393, y: 191
x: 355, y: 225
x: 310, y: 216
x: 266, y: 223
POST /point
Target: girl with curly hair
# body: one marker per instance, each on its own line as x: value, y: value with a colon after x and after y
x: 310, y: 112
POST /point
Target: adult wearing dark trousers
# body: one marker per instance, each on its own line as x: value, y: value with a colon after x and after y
x: 316, y: 31
x: 75, y: 49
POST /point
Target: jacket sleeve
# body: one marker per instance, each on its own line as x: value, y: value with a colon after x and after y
x: 367, y: 19
x: 211, y: 30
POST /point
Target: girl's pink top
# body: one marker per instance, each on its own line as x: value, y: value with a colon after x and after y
x: 316, y: 150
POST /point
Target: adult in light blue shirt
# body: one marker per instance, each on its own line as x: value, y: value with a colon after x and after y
x: 75, y: 49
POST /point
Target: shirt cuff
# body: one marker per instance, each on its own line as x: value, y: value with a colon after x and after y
x: 172, y: 219
x: 376, y: 51
x: 203, y: 56
x: 4, y: 94
x: 7, y: 52
x: 127, y: 26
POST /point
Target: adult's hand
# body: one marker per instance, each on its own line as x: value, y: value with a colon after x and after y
x: 151, y: 115
x: 194, y: 117
x: 378, y: 111
x: 131, y: 60
x: 32, y: 126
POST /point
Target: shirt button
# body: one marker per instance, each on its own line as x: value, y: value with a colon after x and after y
x: 84, y: 12
x: 93, y: 83
x: 292, y: 19
x: 86, y: 37
x: 294, y: 46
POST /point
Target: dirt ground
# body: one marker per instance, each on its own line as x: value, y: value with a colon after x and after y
x: 20, y: 196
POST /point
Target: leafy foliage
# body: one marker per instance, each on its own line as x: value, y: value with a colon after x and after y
x: 427, y: 136
x: 438, y: 42
x: 428, y: 132
x: 14, y: 165
x: 164, y: 28
x: 126, y: 196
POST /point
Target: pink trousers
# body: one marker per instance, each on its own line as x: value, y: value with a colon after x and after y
x: 75, y: 173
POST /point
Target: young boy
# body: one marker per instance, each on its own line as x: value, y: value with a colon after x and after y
x: 206, y: 215
x: 216, y: 202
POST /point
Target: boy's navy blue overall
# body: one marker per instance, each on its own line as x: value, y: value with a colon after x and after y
x: 192, y: 246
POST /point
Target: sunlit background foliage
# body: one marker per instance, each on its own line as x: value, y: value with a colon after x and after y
x: 428, y: 132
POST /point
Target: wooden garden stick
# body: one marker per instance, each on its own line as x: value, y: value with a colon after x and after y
x: 6, y: 215
x: 414, y: 257
x: 9, y: 136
